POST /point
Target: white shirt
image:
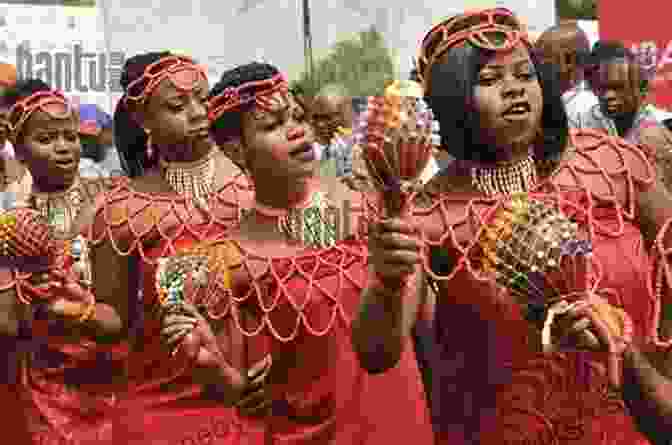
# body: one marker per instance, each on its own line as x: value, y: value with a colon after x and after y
x: 578, y: 100
x: 660, y: 114
x: 430, y: 170
x: 7, y: 152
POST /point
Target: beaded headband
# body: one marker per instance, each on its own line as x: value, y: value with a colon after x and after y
x: 21, y: 111
x: 257, y: 92
x: 183, y: 73
x: 495, y: 29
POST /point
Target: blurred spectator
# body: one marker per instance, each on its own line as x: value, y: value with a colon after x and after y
x: 332, y: 114
x: 567, y: 47
x: 8, y: 77
x: 99, y: 158
x: 616, y: 79
x: 15, y: 181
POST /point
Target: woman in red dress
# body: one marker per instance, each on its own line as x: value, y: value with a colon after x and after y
x: 60, y: 338
x: 178, y: 192
x: 297, y: 285
x: 492, y: 383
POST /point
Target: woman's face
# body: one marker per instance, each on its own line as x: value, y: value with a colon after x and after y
x: 50, y: 148
x: 509, y: 100
x: 177, y: 119
x: 278, y: 143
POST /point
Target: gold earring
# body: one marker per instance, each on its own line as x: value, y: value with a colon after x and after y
x: 149, y: 150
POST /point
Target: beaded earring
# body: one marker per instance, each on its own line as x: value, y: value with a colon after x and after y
x: 150, y: 149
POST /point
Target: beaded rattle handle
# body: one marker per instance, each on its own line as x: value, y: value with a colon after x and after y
x: 397, y: 133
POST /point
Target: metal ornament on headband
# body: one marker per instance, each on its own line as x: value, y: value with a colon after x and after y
x: 21, y: 111
x: 495, y: 29
x: 181, y: 71
x: 257, y: 92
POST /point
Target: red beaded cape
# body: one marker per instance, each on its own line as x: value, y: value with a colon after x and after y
x: 489, y: 383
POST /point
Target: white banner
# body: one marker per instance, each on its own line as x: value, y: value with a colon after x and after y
x: 63, y: 46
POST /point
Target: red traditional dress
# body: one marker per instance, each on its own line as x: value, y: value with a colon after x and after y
x: 303, y: 306
x: 490, y: 385
x: 160, y: 404
x: 64, y: 387
x: 297, y: 309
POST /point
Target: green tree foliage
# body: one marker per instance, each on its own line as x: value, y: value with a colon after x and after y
x: 79, y: 2
x: 577, y: 9
x: 362, y: 64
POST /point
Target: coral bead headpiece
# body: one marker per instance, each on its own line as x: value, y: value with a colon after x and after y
x: 495, y: 29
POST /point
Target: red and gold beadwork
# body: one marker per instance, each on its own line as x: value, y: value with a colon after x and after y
x: 260, y: 93
x: 52, y: 102
x: 182, y: 72
x: 495, y: 29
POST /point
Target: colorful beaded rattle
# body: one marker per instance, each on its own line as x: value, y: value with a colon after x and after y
x: 398, y: 134
x: 540, y: 256
x: 24, y: 233
x: 198, y: 276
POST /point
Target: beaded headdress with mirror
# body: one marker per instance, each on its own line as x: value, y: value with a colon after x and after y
x: 495, y: 29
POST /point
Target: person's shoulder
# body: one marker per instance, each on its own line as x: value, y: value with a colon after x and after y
x: 656, y: 139
x: 611, y: 153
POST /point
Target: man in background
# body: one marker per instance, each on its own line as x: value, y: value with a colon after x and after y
x: 567, y: 47
x: 617, y: 80
x: 331, y: 113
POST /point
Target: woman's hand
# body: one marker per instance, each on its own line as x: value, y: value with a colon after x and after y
x: 593, y: 325
x: 597, y: 326
x: 576, y: 329
x: 67, y: 299
x: 394, y: 250
x: 192, y: 333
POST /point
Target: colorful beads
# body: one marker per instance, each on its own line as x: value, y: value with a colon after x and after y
x: 397, y: 133
x: 528, y: 236
x: 7, y: 227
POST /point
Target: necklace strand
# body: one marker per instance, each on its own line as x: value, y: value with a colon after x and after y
x: 193, y: 179
x: 307, y: 222
x: 60, y: 209
x: 506, y: 179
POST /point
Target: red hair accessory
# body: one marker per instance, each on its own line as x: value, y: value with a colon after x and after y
x: 39, y: 101
x: 495, y: 29
x: 257, y: 92
x: 182, y: 71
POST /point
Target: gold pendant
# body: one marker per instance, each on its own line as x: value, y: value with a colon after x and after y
x: 58, y: 219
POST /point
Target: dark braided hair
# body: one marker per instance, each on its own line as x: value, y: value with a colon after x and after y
x: 22, y: 89
x: 229, y: 126
x: 130, y: 139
